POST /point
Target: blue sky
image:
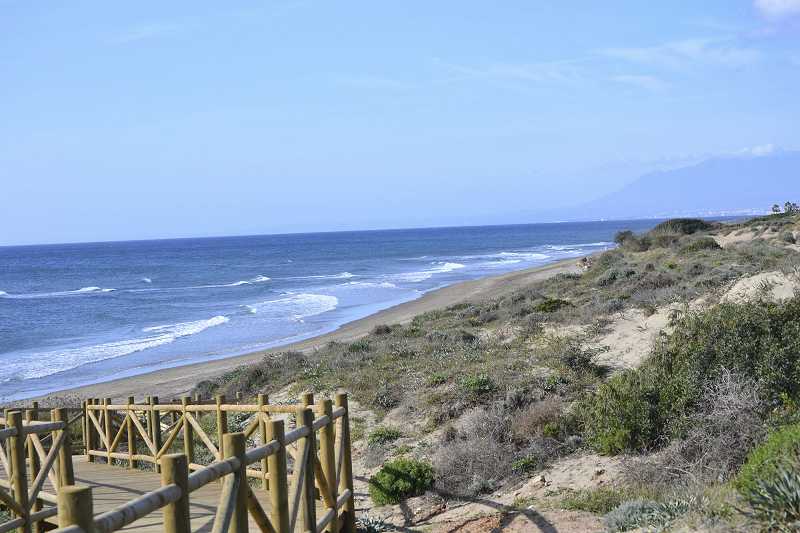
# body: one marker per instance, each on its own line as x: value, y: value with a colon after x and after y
x: 161, y: 119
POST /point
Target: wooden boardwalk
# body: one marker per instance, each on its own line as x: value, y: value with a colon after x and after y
x: 113, y: 486
x: 309, y: 468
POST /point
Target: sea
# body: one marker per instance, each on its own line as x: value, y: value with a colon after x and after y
x: 76, y: 314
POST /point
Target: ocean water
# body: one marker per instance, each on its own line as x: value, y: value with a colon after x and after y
x: 76, y: 314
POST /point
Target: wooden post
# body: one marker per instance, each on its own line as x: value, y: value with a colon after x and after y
x: 222, y: 425
x: 16, y: 453
x: 66, y: 475
x: 198, y: 400
x: 348, y: 517
x: 131, y: 433
x: 188, y: 433
x: 34, y: 465
x: 235, y: 447
x: 148, y: 419
x: 174, y: 413
x: 327, y: 456
x: 307, y: 399
x: 107, y: 427
x: 278, y: 481
x: 88, y: 433
x: 263, y: 400
x: 85, y: 429
x: 175, y: 469
x: 308, y: 500
x: 75, y: 508
x: 155, y: 426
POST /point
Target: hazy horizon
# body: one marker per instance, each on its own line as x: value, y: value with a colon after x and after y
x: 151, y: 121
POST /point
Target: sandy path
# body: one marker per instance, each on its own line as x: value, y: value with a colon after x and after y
x: 174, y: 382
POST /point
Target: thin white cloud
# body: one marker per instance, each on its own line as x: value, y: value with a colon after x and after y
x: 144, y: 32
x: 374, y: 82
x: 650, y: 83
x: 515, y: 74
x: 688, y: 52
x: 778, y: 8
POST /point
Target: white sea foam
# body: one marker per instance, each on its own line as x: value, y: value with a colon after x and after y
x: 295, y: 307
x: 340, y: 275
x: 44, y: 364
x: 34, y: 295
x: 147, y: 280
x: 369, y: 285
x: 439, y: 267
x: 257, y: 279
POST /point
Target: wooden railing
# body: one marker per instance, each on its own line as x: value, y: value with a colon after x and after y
x: 35, y: 451
x: 298, y: 466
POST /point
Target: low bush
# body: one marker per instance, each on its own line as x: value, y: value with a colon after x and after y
x: 775, y: 502
x: 779, y: 451
x: 361, y: 345
x: 551, y: 305
x: 697, y: 245
x: 620, y: 416
x: 472, y: 464
x: 644, y: 514
x: 382, y: 329
x: 400, y: 479
x: 683, y: 226
x: 727, y: 425
x: 600, y: 500
x: 478, y: 385
x: 646, y: 407
x: 788, y: 236
x: 383, y: 435
x: 531, y: 421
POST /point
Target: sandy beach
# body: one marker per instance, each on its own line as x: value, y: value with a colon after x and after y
x: 174, y: 382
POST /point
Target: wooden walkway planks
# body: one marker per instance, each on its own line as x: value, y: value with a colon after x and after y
x: 114, y: 486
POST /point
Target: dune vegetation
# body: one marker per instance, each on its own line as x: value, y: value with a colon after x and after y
x: 699, y: 412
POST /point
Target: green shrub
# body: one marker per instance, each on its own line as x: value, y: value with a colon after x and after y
x: 623, y: 236
x: 697, y: 245
x: 779, y: 450
x: 775, y: 502
x: 361, y: 345
x: 400, y: 479
x: 599, y: 501
x: 683, y: 226
x: 383, y: 435
x: 646, y: 407
x: 620, y: 416
x: 382, y: 329
x: 478, y: 385
x: 644, y: 514
x: 526, y: 464
x: 788, y: 236
x: 551, y: 305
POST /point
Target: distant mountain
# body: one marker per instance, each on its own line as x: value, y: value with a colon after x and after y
x: 733, y: 185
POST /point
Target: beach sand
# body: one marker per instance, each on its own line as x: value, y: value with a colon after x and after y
x: 174, y: 382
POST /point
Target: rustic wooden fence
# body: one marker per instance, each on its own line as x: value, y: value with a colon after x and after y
x: 298, y: 465
x: 33, y: 452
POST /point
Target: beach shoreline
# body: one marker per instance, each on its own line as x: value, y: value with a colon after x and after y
x: 178, y: 381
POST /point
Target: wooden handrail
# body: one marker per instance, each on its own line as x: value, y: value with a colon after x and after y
x: 293, y: 495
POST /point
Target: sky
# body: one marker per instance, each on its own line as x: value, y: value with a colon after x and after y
x: 145, y: 119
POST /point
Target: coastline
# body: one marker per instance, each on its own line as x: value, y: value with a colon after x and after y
x: 179, y: 381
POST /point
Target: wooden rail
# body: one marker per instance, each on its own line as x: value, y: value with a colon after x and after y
x: 33, y: 452
x: 310, y: 462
